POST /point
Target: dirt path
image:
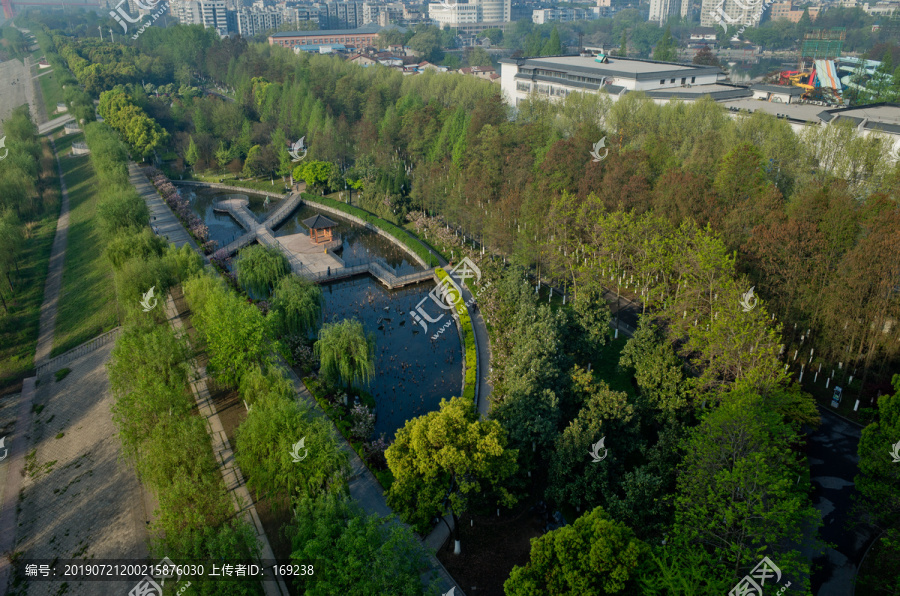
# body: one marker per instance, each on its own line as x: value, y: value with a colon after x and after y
x: 54, y: 274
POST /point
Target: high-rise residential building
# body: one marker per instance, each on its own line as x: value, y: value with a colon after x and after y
x: 209, y: 13
x: 295, y: 14
x: 247, y: 22
x: 724, y: 13
x: 383, y: 14
x: 344, y: 15
x: 662, y: 10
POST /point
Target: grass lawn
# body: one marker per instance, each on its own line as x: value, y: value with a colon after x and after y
x: 52, y: 93
x: 19, y: 326
x: 87, y: 304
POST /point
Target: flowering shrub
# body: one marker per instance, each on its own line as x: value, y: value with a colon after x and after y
x: 221, y: 258
x: 363, y: 421
x: 182, y: 208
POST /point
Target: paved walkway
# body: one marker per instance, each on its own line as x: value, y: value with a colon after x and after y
x: 364, y: 487
x: 162, y: 220
x: 54, y: 274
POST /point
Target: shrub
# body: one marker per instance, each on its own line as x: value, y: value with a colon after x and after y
x: 471, y: 378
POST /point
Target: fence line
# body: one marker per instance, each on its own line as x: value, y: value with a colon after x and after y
x: 78, y: 351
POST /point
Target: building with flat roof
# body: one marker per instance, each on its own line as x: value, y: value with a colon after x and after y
x: 364, y: 36
x: 786, y: 11
x: 564, y: 15
x: 557, y: 76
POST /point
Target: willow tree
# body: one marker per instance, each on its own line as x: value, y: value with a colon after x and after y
x: 296, y: 304
x: 259, y: 268
x: 346, y: 352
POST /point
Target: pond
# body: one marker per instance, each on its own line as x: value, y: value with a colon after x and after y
x: 412, y: 371
x: 358, y: 242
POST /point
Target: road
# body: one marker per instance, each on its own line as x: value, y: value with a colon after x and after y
x: 833, y: 463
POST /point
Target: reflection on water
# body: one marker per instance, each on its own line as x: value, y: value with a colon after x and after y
x: 412, y: 371
x: 222, y: 227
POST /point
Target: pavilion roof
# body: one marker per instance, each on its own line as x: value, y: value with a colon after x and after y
x: 318, y: 222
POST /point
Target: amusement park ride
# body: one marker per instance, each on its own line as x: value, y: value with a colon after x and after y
x: 823, y: 73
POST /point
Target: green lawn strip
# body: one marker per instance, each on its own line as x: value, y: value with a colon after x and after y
x: 87, y: 302
x: 52, y: 92
x: 19, y: 327
x: 468, y: 344
x: 397, y: 232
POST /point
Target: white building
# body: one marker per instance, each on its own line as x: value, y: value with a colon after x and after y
x: 739, y: 13
x: 479, y: 12
x: 564, y: 15
x: 250, y: 21
x: 662, y: 10
x: 557, y: 76
x: 209, y: 13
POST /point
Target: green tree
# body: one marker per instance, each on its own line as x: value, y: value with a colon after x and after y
x: 737, y: 486
x: 657, y: 369
x: 366, y: 554
x: 666, y: 50
x: 265, y: 443
x: 878, y: 473
x: 448, y: 458
x: 296, y: 305
x: 346, y: 352
x: 623, y: 45
x: 236, y: 334
x: 428, y: 44
x: 314, y: 173
x: 192, y: 155
x: 594, y: 555
x: 553, y: 47
x: 259, y: 269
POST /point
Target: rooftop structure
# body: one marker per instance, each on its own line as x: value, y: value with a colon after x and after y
x: 557, y: 76
x: 364, y: 36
